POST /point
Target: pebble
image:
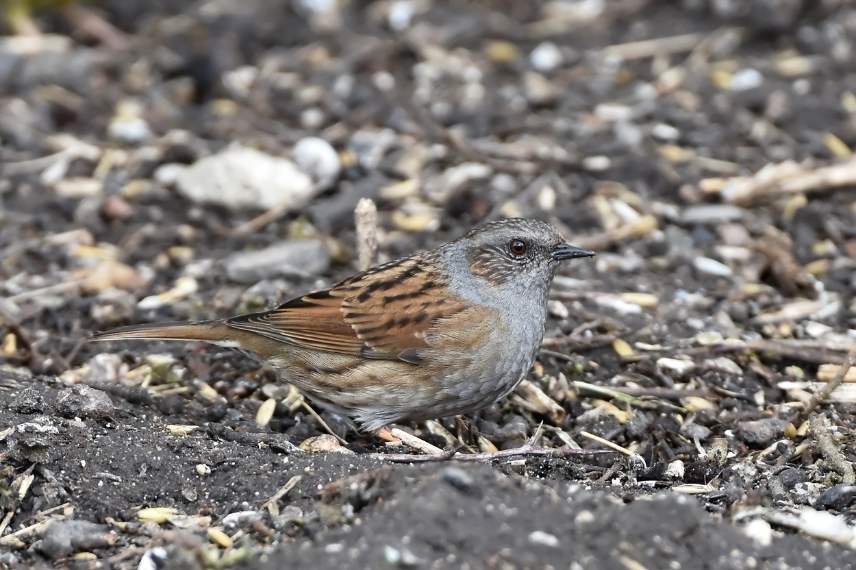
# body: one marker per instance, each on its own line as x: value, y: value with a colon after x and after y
x: 675, y: 470
x: 400, y: 557
x: 294, y: 258
x: 542, y: 538
x: 546, y: 57
x: 318, y: 159
x: 675, y: 366
x: 28, y: 401
x: 558, y: 309
x: 82, y: 401
x: 458, y: 478
x: 618, y: 305
x: 723, y: 364
x: 761, y: 432
x: 242, y: 177
x: 128, y: 124
x: 746, y: 79
x: 62, y: 538
x: 324, y: 443
x: 760, y: 531
x: 712, y: 267
x: 104, y: 367
x: 838, y: 497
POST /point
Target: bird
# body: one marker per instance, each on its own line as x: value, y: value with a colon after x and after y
x: 441, y: 332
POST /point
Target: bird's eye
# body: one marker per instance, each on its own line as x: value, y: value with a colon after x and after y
x: 517, y: 247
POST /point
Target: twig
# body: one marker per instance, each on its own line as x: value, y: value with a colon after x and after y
x: 305, y: 405
x: 271, y: 504
x: 365, y: 219
x: 816, y: 352
x: 615, y: 447
x: 786, y: 178
x: 526, y: 450
x: 833, y: 456
x: 419, y: 444
x: 657, y: 46
x: 816, y: 399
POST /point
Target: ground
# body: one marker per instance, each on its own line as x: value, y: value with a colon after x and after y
x: 703, y: 149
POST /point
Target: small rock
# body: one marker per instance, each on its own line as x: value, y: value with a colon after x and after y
x: 65, y: 537
x: 790, y: 477
x: 104, y: 367
x: 242, y: 519
x: 760, y: 531
x: 838, y: 497
x: 301, y: 258
x: 546, y: 57
x: 761, y: 432
x: 318, y: 159
x: 712, y: 267
x: 400, y: 557
x: 695, y: 431
x: 675, y: 366
x: 675, y: 470
x: 240, y: 177
x: 28, y: 401
x: 458, y: 478
x: 746, y: 79
x: 128, y: 124
x: 324, y: 443
x: 723, y: 364
x: 558, y: 309
x: 84, y: 402
x: 542, y: 538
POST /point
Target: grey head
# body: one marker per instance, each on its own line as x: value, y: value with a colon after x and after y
x: 514, y: 256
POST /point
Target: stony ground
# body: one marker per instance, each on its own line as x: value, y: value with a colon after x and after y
x: 188, y: 160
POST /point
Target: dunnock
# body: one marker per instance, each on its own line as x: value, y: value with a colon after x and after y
x: 439, y: 333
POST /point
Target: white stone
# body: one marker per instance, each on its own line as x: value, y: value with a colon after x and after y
x: 543, y: 538
x: 317, y: 158
x: 546, y: 57
x: 241, y: 177
x: 712, y: 267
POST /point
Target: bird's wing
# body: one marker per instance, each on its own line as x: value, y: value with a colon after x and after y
x: 382, y: 313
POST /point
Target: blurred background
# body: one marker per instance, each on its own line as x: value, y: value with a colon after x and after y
x: 171, y: 160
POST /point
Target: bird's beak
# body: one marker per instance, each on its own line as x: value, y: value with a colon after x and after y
x: 567, y: 251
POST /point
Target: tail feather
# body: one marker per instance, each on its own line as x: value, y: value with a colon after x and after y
x: 209, y: 331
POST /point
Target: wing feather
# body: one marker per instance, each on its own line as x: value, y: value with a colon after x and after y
x: 382, y: 313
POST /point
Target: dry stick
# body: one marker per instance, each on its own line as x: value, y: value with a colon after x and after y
x: 414, y: 442
x: 365, y: 220
x: 804, y: 351
x: 315, y: 415
x: 657, y: 46
x: 829, y: 388
x: 788, y: 178
x: 830, y: 451
x: 614, y: 446
x: 526, y: 450
x: 271, y: 504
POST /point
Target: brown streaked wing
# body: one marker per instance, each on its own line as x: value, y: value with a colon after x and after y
x: 383, y: 313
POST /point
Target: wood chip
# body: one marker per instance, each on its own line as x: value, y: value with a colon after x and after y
x: 414, y: 442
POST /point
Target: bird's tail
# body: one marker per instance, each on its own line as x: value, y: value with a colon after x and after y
x: 209, y: 331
